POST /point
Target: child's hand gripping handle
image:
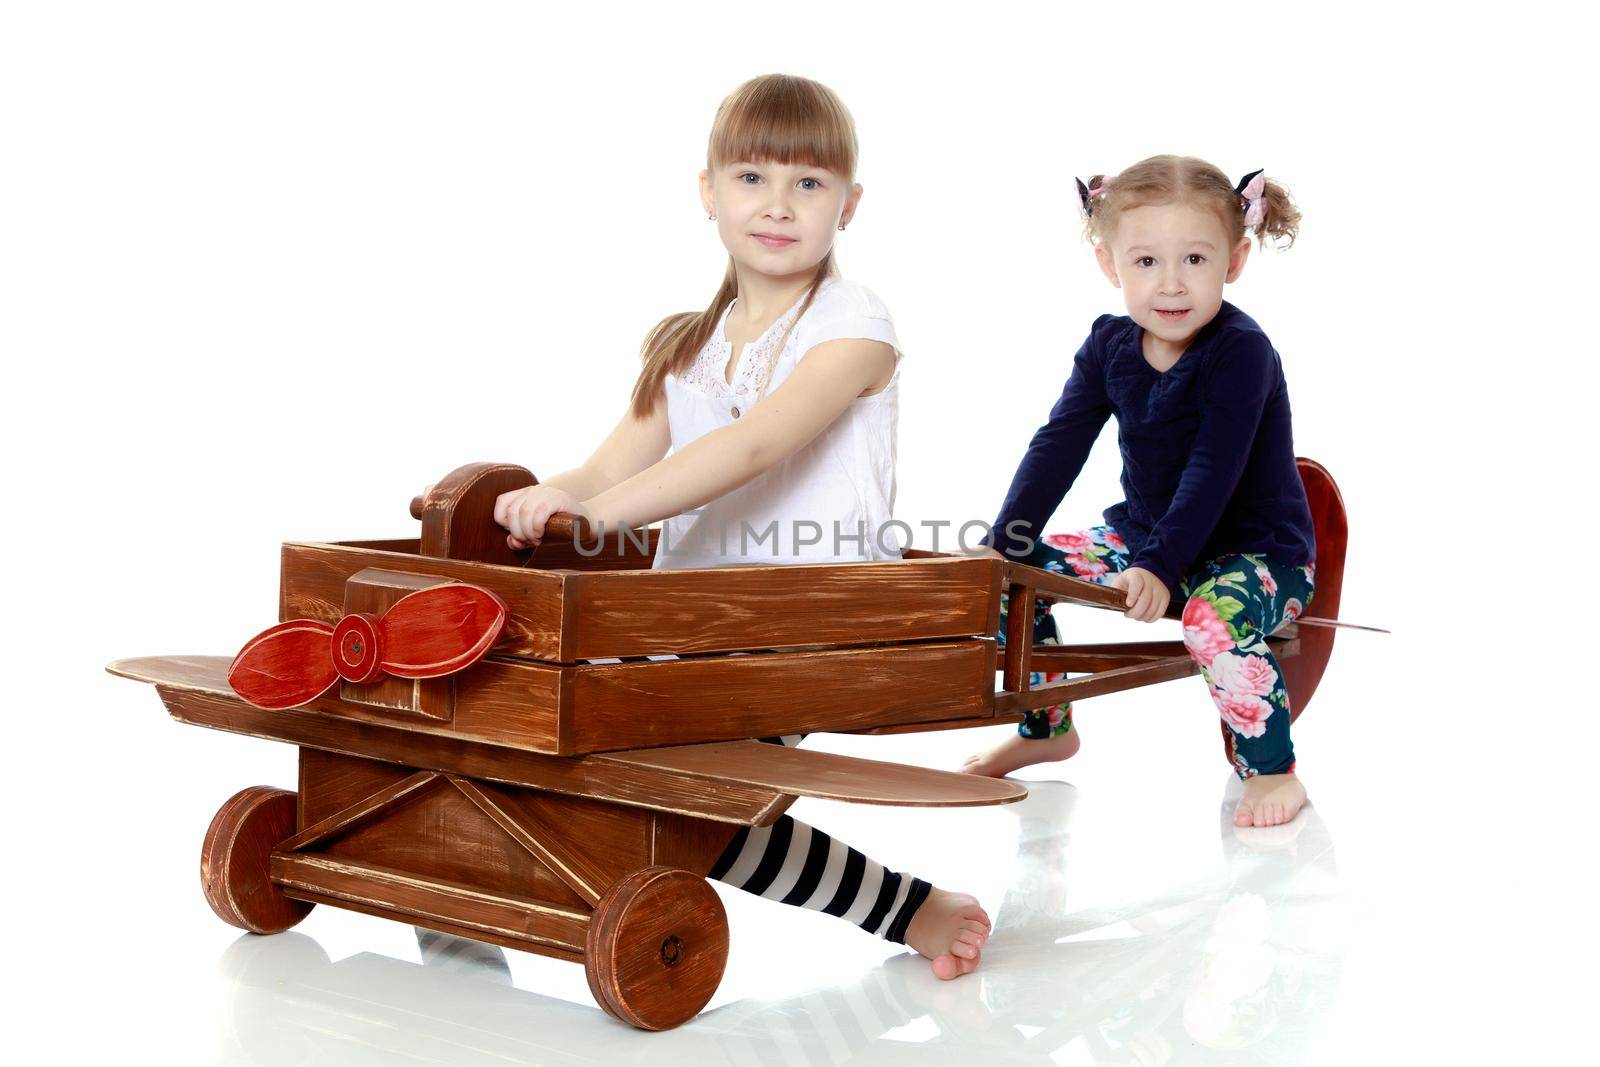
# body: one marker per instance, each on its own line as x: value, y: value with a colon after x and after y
x: 558, y: 526
x: 457, y: 514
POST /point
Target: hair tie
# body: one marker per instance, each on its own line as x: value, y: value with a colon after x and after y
x: 1086, y: 196
x: 1252, y: 197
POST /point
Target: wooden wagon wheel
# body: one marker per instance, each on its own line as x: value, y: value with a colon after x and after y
x: 237, y: 855
x: 657, y: 946
x: 1303, y: 671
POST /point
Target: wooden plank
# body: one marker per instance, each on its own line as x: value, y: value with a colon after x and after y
x: 314, y: 577
x: 1052, y: 658
x: 411, y: 546
x: 498, y: 701
x: 687, y: 842
x: 440, y: 834
x: 826, y: 775
x: 622, y: 550
x: 673, y: 702
x: 649, y: 612
x: 1110, y: 656
x: 1147, y: 649
x: 1052, y: 586
x: 1019, y: 637
x: 194, y: 689
x: 1044, y: 696
x: 597, y: 707
x: 586, y: 878
x: 639, y: 613
x: 949, y: 724
x: 398, y: 895
x: 366, y: 808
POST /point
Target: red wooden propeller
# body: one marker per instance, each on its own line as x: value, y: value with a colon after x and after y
x: 425, y: 634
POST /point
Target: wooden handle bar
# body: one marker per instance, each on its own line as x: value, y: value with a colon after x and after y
x: 558, y: 525
x: 1049, y: 585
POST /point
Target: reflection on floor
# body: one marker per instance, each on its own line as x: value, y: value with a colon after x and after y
x: 1238, y: 967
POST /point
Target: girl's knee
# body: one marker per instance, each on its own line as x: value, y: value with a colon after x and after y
x: 1205, y: 631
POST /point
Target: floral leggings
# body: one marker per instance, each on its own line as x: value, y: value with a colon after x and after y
x: 1234, y: 603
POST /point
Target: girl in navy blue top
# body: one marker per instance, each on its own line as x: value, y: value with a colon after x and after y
x: 1215, y: 510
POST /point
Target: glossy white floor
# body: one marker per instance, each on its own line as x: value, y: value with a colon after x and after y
x: 1133, y: 923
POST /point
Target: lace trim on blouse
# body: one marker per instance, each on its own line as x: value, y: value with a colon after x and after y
x: 757, y: 359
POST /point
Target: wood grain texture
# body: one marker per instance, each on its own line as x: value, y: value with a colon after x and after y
x: 827, y: 775
x: 719, y: 609
x: 368, y: 807
x: 194, y: 691
x: 1049, y: 585
x: 439, y: 834
x: 458, y: 513
x: 375, y: 591
x: 314, y: 576
x: 517, y: 921
x: 1145, y: 649
x: 602, y: 707
x: 496, y: 838
x: 598, y: 707
x: 330, y: 782
x: 688, y: 842
x: 1019, y: 638
x: 566, y: 615
x: 235, y: 861
x: 587, y: 845
x: 500, y: 702
x: 948, y: 724
x: 640, y: 705
x: 1095, y: 658
x: 1113, y: 681
x: 1302, y: 674
x: 812, y: 773
x: 457, y: 517
x: 656, y: 948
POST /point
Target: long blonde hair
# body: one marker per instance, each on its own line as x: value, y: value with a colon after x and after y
x: 779, y: 118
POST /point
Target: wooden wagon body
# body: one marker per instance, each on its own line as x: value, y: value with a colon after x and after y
x: 544, y: 801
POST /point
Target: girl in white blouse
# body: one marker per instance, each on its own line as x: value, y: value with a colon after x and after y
x: 779, y: 402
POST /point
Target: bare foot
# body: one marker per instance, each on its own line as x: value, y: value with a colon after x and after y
x: 949, y: 929
x: 1269, y: 800
x: 1016, y: 752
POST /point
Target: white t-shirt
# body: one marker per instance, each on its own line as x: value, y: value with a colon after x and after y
x: 830, y: 501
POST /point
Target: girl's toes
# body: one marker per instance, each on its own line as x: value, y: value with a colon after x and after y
x: 946, y: 967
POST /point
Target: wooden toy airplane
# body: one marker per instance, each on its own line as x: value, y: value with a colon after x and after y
x: 465, y: 766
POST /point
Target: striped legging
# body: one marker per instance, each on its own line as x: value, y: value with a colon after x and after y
x: 795, y: 863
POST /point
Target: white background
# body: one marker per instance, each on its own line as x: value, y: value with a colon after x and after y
x: 266, y: 269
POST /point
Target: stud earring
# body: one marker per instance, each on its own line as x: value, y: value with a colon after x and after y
x: 841, y: 227
x: 712, y: 216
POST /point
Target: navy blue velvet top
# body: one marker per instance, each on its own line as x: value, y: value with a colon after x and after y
x: 1207, y: 454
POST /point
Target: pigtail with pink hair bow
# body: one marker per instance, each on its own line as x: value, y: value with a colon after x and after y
x: 1086, y: 196
x: 1252, y: 190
